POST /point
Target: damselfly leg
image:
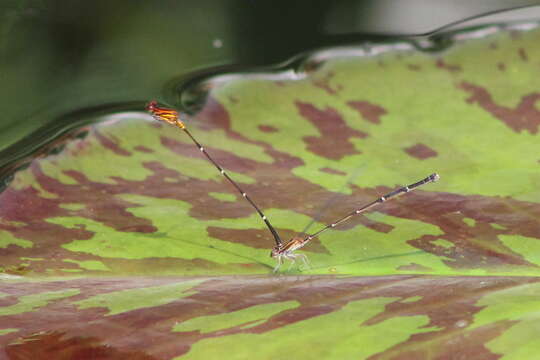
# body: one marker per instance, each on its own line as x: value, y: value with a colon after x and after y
x: 285, y: 251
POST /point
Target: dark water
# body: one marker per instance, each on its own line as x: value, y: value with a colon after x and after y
x: 62, y: 61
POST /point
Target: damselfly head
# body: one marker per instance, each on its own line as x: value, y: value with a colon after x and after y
x: 276, y: 251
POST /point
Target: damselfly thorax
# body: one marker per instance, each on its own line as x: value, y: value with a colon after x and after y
x: 281, y: 250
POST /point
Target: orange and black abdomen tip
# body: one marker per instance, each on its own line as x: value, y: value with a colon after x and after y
x: 163, y: 114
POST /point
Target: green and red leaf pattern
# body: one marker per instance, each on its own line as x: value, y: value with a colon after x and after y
x: 121, y: 245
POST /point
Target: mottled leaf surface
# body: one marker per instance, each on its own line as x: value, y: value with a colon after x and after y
x: 136, y: 198
x: 388, y: 317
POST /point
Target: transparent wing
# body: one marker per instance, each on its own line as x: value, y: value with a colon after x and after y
x: 332, y: 200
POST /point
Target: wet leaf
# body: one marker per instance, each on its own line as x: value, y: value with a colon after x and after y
x: 451, y: 268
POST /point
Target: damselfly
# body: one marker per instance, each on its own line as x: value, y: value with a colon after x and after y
x: 281, y: 250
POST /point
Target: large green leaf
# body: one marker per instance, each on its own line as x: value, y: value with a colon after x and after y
x: 138, y: 198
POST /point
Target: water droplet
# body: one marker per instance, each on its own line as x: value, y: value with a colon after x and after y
x: 217, y: 43
x: 462, y: 323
